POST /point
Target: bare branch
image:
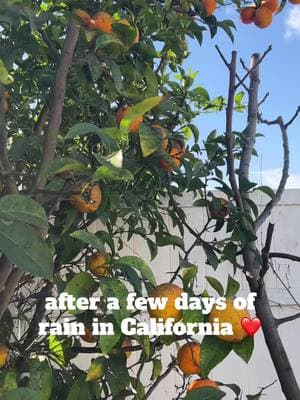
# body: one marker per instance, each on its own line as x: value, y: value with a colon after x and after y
x: 284, y: 175
x: 159, y: 379
x: 280, y: 321
x: 250, y: 131
x: 263, y: 99
x: 251, y: 69
x: 293, y: 118
x: 57, y: 103
x: 229, y: 128
x: 266, y: 251
x: 284, y: 255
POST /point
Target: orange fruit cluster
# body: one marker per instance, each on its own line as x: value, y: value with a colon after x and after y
x: 97, y: 264
x: 209, y: 6
x: 101, y: 21
x: 188, y: 358
x: 202, y: 383
x: 261, y: 16
x: 176, y: 151
x: 135, y: 125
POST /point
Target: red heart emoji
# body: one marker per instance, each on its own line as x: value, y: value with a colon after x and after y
x: 251, y: 326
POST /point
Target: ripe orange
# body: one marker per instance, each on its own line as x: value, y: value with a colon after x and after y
x: 188, y: 358
x: 102, y: 22
x: 164, y: 136
x: 171, y: 291
x: 126, y: 22
x: 135, y: 125
x: 247, y: 14
x: 263, y: 17
x: 4, y: 354
x: 200, y: 383
x: 222, y: 212
x: 273, y: 5
x: 176, y: 151
x: 84, y: 16
x: 233, y: 316
x: 88, y: 200
x: 88, y: 336
x: 97, y: 265
x: 209, y: 6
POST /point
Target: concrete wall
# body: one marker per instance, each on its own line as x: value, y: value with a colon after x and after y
x: 259, y: 372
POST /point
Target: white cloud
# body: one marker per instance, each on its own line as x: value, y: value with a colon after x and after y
x: 292, y: 23
x: 272, y: 177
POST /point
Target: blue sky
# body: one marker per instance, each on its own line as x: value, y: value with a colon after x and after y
x: 280, y: 75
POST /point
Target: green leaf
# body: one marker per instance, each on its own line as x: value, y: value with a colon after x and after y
x: 56, y: 348
x: 40, y: 378
x: 165, y: 239
x: 115, y: 288
x: 25, y: 248
x: 5, y: 78
x: 266, y: 190
x: 116, y: 75
x: 84, y: 129
x: 106, y: 40
x: 208, y: 393
x: 140, y: 265
x: 17, y: 207
x: 213, y: 352
x: 117, y: 376
x: 138, y: 110
x: 150, y: 140
x: 21, y: 393
x: 215, y: 284
x: 244, y: 349
x: 90, y: 239
x: 188, y: 275
x: 145, y: 343
x: 201, y: 203
x: 107, y: 342
x: 9, y: 381
x: 79, y: 389
x: 156, y: 369
x: 64, y: 164
x: 232, y: 287
x: 112, y: 174
x: 211, y: 256
x: 80, y: 286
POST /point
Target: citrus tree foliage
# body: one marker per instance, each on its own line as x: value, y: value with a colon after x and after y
x: 137, y: 172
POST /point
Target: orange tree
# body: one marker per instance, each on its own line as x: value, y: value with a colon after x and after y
x: 97, y: 140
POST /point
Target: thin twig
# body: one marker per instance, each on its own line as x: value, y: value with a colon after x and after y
x: 280, y: 321
x: 284, y: 255
x: 160, y: 379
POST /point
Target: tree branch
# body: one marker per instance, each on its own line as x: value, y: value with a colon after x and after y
x: 57, y: 103
x: 284, y: 255
x: 284, y: 175
x: 159, y: 379
x: 280, y: 321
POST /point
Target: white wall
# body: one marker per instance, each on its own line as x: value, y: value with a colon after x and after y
x: 259, y: 372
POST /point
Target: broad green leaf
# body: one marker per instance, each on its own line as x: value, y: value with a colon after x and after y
x: 140, y: 265
x: 89, y: 239
x: 188, y: 275
x: 166, y: 240
x: 150, y: 140
x: 213, y: 352
x: 115, y: 288
x: 208, y: 393
x: 18, y: 207
x: 232, y: 287
x: 244, y: 349
x: 215, y: 284
x: 25, y: 248
x: 144, y: 341
x: 5, y: 78
x: 106, y: 40
x: 117, y: 375
x: 80, y: 389
x: 64, y: 164
x: 113, y: 174
x: 96, y: 369
x: 266, y: 190
x: 56, y: 348
x: 21, y: 393
x: 107, y: 342
x: 84, y: 129
x: 211, y: 256
x: 156, y: 369
x: 138, y: 110
x: 80, y: 285
x: 40, y: 378
x: 9, y: 381
x: 116, y: 75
